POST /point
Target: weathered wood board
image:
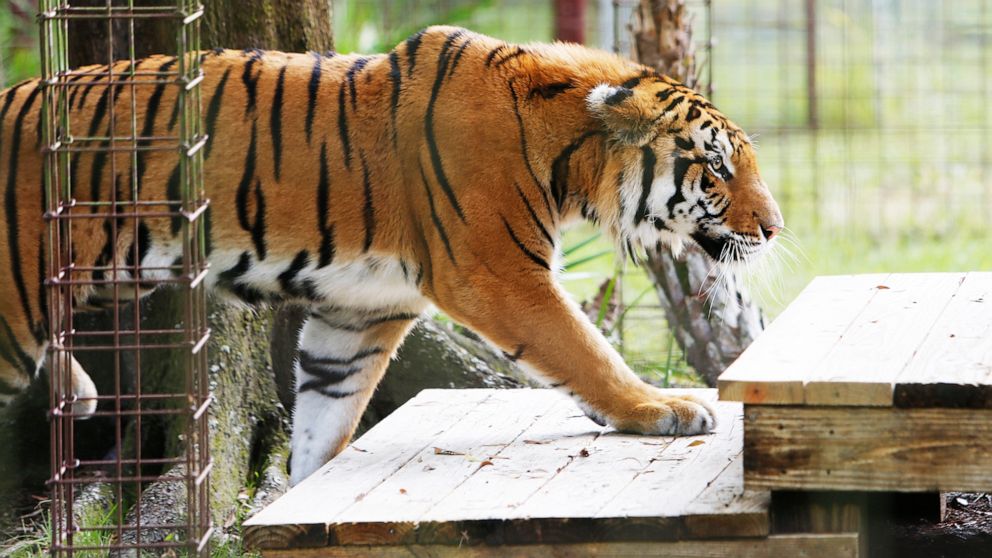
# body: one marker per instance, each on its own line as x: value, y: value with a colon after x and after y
x: 867, y: 449
x: 906, y: 340
x: 842, y: 545
x: 517, y: 467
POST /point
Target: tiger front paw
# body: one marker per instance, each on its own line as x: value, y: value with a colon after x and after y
x: 683, y: 415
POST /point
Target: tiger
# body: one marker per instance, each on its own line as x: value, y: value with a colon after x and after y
x: 377, y: 188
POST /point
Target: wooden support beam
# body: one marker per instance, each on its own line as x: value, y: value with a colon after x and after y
x: 843, y: 545
x: 867, y: 449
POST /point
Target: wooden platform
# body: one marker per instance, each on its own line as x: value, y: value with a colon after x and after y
x: 499, y: 471
x: 872, y: 382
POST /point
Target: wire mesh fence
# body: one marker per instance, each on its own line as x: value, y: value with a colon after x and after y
x: 112, y: 137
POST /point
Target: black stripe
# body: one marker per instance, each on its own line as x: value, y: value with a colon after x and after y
x: 275, y: 122
x: 680, y: 168
x: 326, y: 372
x: 534, y: 257
x: 245, y: 184
x: 90, y: 85
x: 437, y: 220
x: 229, y: 276
x: 96, y: 171
x: 333, y: 394
x: 366, y: 324
x: 174, y: 117
x: 256, y: 228
x: 10, y: 204
x: 517, y: 51
x: 323, y: 207
x: 343, y: 127
x: 208, y: 231
x: 213, y: 111
x: 42, y: 292
x: 312, y: 90
x: 560, y: 168
x: 435, y: 154
x: 10, y: 94
x: 492, y: 54
x: 368, y: 210
x: 550, y: 91
x: 75, y: 89
x: 663, y: 95
x: 515, y: 355
x: 458, y: 57
x: 228, y: 280
x: 151, y: 112
x: 675, y: 102
x: 533, y: 215
x: 524, y: 152
x: 251, y: 84
x: 412, y: 44
x: 287, y: 279
x: 124, y: 75
x: 332, y: 361
x: 27, y: 364
x: 99, y: 112
x: 396, y: 76
x: 138, y: 249
x: 648, y: 161
x: 106, y: 252
x: 172, y: 192
x: 685, y: 144
x: 355, y: 69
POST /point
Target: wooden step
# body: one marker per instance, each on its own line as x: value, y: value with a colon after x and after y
x: 877, y: 382
x: 487, y: 468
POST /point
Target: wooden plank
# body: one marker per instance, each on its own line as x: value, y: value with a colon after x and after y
x: 725, y: 506
x: 610, y: 463
x: 867, y: 449
x: 843, y: 545
x: 953, y: 366
x: 299, y: 516
x: 455, y: 456
x: 527, y: 464
x: 773, y: 369
x: 520, y: 467
x: 669, y: 483
x: 862, y: 367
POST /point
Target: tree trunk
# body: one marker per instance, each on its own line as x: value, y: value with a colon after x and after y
x: 713, y: 329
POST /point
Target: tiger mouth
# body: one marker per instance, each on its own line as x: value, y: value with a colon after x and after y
x: 714, y: 247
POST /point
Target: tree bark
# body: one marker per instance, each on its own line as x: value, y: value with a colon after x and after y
x: 712, y: 329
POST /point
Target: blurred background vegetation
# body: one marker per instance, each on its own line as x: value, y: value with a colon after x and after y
x: 871, y: 116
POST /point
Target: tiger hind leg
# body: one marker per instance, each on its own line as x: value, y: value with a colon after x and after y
x: 343, y: 355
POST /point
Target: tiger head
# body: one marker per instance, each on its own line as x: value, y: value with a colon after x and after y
x: 685, y: 172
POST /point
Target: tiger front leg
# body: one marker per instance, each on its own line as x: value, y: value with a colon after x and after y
x: 343, y: 355
x: 535, y: 323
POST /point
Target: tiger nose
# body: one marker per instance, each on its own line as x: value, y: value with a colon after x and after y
x: 770, y: 231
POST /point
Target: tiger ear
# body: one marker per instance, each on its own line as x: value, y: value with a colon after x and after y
x: 617, y: 107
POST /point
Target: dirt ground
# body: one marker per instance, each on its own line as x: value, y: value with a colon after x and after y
x: 965, y: 532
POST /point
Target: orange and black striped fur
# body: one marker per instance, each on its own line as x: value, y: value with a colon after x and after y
x: 372, y: 187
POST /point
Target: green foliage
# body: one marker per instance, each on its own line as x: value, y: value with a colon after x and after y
x: 370, y: 26
x: 19, y: 57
